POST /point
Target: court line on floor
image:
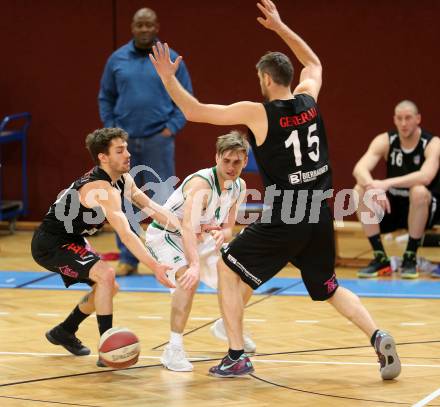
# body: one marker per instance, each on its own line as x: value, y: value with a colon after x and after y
x: 427, y: 399
x: 203, y: 360
x: 315, y: 393
x: 270, y: 293
x: 47, y: 401
x: 342, y: 348
x: 35, y: 280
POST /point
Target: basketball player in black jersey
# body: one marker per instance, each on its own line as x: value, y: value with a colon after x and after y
x: 412, y: 186
x: 59, y: 244
x: 288, y: 139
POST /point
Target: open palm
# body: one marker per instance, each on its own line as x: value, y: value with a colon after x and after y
x: 271, y: 19
x: 162, y: 61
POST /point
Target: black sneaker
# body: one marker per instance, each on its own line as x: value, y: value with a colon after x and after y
x: 379, y: 266
x: 409, y: 266
x: 100, y: 363
x: 386, y: 352
x: 59, y: 336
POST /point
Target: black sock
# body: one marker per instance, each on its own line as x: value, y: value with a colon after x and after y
x: 376, y: 243
x: 72, y: 322
x: 235, y: 354
x: 105, y: 322
x: 373, y: 337
x: 413, y: 245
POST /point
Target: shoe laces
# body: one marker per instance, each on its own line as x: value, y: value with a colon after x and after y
x: 229, y: 361
x: 379, y: 258
x: 380, y: 356
x: 381, y: 359
x: 74, y: 339
x: 177, y: 352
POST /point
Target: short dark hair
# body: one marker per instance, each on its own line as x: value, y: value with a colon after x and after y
x: 99, y: 141
x: 278, y: 66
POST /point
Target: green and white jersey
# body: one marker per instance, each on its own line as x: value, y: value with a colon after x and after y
x: 219, y: 203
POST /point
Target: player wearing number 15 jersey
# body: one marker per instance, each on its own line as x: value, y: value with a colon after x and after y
x: 288, y: 139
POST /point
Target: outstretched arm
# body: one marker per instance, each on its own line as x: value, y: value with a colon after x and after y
x: 311, y: 75
x: 247, y: 113
x: 111, y: 204
x: 149, y: 207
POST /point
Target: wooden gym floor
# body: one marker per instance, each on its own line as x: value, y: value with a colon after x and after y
x: 307, y: 354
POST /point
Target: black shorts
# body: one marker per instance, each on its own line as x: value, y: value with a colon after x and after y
x: 398, y: 218
x: 65, y: 255
x: 261, y: 250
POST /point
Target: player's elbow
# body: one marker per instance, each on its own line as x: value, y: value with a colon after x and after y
x: 190, y: 114
x: 356, y: 171
x: 315, y: 67
x: 426, y: 179
x: 194, y: 112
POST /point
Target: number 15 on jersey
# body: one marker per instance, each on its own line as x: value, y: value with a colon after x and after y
x: 312, y: 142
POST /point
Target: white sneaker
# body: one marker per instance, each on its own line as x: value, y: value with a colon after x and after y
x: 174, y: 358
x: 218, y: 330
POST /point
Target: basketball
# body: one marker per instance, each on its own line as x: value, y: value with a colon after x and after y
x: 119, y: 348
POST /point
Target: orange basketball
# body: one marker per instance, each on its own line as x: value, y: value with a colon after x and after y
x: 119, y: 348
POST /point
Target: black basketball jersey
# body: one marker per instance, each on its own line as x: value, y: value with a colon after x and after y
x: 294, y: 155
x: 401, y: 162
x: 68, y: 216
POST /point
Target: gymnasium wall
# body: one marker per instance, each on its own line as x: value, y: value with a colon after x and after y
x: 374, y: 54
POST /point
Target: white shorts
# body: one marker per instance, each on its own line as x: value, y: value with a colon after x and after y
x: 167, y: 248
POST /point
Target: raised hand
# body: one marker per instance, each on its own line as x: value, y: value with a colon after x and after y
x: 162, y: 61
x: 271, y: 19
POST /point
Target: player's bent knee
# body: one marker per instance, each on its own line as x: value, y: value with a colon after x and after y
x: 419, y: 195
x: 323, y: 296
x: 103, y: 274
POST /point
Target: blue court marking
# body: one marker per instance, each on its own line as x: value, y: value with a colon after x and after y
x: 147, y: 283
x: 376, y: 288
x: 394, y: 288
x: 15, y: 279
x: 136, y: 283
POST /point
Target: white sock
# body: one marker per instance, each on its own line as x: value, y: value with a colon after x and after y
x: 176, y: 339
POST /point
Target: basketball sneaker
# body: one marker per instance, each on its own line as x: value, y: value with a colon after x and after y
x: 436, y: 272
x: 174, y: 358
x: 59, y: 336
x: 409, y: 266
x: 100, y: 363
x: 232, y: 368
x: 386, y: 352
x: 218, y: 330
x: 379, y: 266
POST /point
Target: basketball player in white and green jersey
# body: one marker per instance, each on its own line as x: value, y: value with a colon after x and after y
x: 206, y: 203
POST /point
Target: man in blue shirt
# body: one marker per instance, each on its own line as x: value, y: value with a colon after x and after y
x: 133, y: 98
